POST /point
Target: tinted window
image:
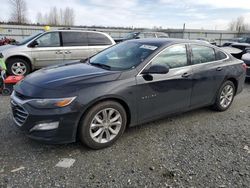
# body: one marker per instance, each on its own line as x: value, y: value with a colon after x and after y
x: 74, y: 39
x: 125, y: 55
x: 49, y: 40
x: 220, y: 55
x: 173, y: 57
x: 149, y: 35
x: 97, y: 39
x: 202, y: 54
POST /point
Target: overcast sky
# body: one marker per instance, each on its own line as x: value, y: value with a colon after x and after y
x: 206, y: 14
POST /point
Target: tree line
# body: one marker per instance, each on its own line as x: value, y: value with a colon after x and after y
x: 18, y: 8
x: 66, y: 17
x: 239, y: 25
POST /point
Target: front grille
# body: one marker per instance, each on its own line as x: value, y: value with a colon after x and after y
x: 19, y: 113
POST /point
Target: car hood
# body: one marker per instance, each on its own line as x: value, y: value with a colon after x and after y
x: 6, y: 47
x: 70, y: 77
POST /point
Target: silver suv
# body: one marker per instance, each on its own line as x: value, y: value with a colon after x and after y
x: 53, y: 47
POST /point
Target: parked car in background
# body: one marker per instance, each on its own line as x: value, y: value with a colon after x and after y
x: 53, y: 47
x: 5, y: 40
x: 237, y: 40
x: 131, y: 83
x: 246, y: 59
x: 210, y: 41
x: 244, y: 47
x: 143, y: 34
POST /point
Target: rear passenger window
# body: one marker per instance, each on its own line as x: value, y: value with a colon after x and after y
x: 97, y: 39
x: 220, y: 55
x: 74, y: 39
x: 173, y: 57
x: 202, y: 54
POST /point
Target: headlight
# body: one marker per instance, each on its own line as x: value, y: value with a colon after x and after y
x: 51, y: 103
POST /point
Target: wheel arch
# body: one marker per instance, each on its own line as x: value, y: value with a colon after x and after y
x: 235, y: 82
x: 26, y: 58
x: 103, y: 99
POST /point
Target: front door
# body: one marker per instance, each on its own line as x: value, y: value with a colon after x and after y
x: 48, y: 50
x: 162, y: 94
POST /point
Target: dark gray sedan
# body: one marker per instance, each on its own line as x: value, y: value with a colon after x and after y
x: 125, y: 85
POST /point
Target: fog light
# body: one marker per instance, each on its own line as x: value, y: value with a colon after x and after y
x: 45, y: 126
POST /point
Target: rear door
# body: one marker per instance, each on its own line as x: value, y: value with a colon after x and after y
x: 98, y: 42
x: 208, y: 73
x: 75, y: 45
x: 48, y: 50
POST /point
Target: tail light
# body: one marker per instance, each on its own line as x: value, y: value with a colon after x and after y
x: 244, y: 66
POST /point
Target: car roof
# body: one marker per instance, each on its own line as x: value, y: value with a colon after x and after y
x: 74, y: 30
x: 167, y: 41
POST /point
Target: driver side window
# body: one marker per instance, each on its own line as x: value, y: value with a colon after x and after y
x: 49, y: 40
x: 173, y: 57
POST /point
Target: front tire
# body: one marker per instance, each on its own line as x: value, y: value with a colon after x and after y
x: 103, y: 124
x: 18, y: 67
x: 225, y: 96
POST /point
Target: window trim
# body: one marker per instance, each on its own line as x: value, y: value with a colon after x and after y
x: 189, y: 57
x: 215, y: 48
x: 187, y: 51
x: 191, y: 53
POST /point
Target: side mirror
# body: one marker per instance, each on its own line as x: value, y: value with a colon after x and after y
x: 33, y: 44
x: 156, y: 69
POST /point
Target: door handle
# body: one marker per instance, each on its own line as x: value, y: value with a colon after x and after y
x: 186, y: 75
x: 219, y: 69
x: 67, y: 52
x: 59, y: 52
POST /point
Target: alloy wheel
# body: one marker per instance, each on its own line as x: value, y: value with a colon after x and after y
x: 19, y: 68
x: 226, y: 96
x: 105, y: 125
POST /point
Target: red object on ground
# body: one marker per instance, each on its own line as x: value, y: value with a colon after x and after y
x: 13, y: 79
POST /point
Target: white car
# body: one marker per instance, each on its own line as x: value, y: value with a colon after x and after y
x: 53, y: 47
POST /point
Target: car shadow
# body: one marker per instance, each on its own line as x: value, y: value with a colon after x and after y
x: 129, y: 134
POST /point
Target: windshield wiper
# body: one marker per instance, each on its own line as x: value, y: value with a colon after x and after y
x: 101, y: 65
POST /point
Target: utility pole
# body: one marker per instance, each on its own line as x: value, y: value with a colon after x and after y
x: 183, y: 31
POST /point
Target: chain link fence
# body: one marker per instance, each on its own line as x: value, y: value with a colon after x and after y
x: 19, y: 32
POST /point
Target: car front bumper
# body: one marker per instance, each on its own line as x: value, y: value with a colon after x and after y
x: 27, y: 117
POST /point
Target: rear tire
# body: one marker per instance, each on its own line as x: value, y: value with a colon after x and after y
x: 225, y: 96
x: 18, y: 66
x: 103, y: 124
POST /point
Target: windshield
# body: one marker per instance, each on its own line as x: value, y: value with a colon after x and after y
x: 29, y: 38
x: 123, y: 56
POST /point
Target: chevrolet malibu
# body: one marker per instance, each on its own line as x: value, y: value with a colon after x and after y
x: 131, y: 83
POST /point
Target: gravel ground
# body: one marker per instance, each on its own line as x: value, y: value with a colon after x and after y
x: 201, y: 148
